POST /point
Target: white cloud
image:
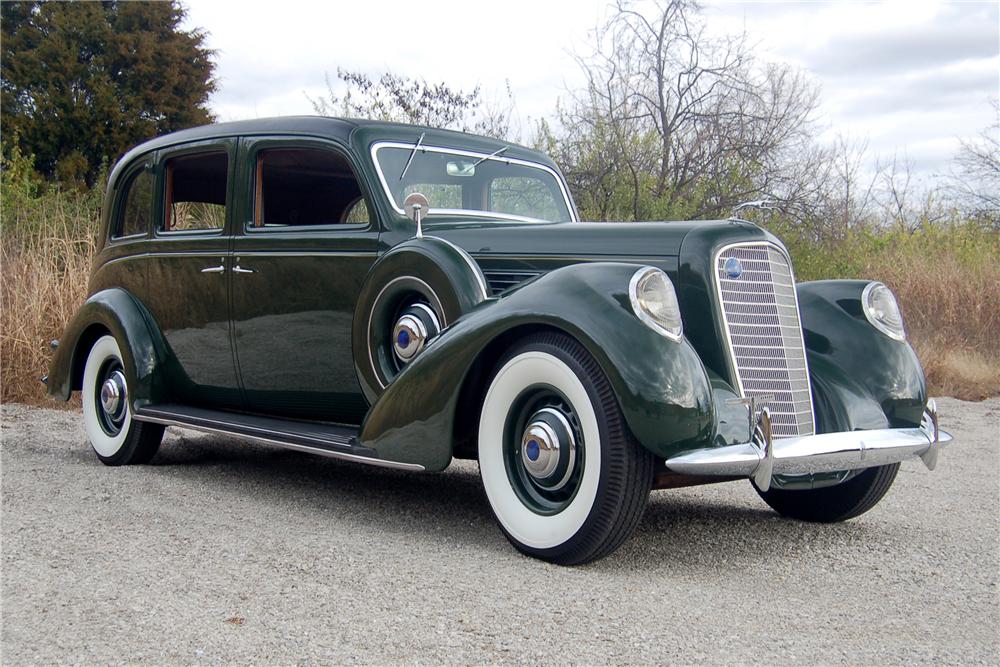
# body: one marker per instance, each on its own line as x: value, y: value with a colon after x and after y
x: 909, y: 76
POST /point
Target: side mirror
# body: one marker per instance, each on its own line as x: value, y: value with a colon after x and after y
x: 416, y: 206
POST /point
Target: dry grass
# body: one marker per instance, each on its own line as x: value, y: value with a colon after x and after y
x: 44, y: 281
x: 964, y: 374
x: 950, y: 299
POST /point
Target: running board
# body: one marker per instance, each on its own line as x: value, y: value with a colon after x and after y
x: 339, y: 442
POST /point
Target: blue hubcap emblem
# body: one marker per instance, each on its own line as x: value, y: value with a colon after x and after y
x: 403, y: 339
x: 533, y: 450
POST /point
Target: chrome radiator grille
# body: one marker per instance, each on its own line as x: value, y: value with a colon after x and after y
x: 757, y: 295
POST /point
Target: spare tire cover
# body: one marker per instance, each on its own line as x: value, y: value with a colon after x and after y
x: 428, y: 269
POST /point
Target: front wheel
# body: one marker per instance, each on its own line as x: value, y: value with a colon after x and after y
x: 117, y: 439
x: 566, y: 481
x: 833, y: 503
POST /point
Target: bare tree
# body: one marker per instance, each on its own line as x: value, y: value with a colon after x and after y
x: 394, y: 97
x: 977, y: 183
x: 690, y: 122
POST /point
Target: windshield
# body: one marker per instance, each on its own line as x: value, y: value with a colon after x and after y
x: 456, y: 181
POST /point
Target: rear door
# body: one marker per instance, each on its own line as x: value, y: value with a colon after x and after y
x: 189, y: 271
x: 303, y: 248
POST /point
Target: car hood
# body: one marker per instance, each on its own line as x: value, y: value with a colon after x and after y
x: 639, y: 241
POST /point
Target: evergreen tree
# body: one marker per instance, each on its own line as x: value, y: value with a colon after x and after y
x: 81, y: 82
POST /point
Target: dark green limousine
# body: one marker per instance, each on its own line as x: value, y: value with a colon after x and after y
x: 401, y: 296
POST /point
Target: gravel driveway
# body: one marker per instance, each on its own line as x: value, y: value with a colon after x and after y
x: 227, y: 552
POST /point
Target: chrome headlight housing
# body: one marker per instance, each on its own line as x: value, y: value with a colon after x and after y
x: 880, y: 308
x: 654, y: 301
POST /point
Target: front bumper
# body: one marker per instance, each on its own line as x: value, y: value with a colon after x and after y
x: 763, y: 457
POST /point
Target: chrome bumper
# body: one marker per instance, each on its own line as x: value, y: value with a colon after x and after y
x: 763, y: 457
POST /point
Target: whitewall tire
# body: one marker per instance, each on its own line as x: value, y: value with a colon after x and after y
x: 117, y: 439
x: 563, y: 477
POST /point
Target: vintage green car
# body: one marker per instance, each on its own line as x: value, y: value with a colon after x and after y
x: 401, y: 296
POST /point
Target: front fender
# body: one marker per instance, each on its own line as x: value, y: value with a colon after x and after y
x: 661, y: 385
x: 117, y: 312
x: 862, y: 379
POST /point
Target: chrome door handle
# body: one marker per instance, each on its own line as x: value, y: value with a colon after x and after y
x: 214, y: 269
x: 240, y: 269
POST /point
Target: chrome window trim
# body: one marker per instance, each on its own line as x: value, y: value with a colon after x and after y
x: 375, y: 147
x: 720, y: 310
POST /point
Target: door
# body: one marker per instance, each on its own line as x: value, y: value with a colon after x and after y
x: 189, y: 272
x: 300, y: 257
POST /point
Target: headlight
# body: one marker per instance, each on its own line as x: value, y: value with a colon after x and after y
x: 655, y: 302
x: 882, y: 311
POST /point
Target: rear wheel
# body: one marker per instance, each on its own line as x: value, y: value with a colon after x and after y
x: 834, y: 503
x: 564, y: 478
x: 117, y: 439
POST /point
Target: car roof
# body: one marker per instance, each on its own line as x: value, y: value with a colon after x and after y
x: 336, y: 128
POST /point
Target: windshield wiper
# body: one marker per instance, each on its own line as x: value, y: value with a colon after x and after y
x: 412, y: 153
x: 493, y: 154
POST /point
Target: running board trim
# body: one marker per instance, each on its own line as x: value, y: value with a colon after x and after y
x: 274, y: 440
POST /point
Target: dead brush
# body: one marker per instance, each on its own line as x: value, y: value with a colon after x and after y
x: 44, y: 272
x: 951, y: 309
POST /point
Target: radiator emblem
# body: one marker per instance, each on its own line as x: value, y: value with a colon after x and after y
x: 734, y: 268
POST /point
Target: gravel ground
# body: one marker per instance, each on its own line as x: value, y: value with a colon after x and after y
x: 225, y: 552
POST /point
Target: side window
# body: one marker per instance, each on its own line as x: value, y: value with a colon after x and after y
x: 136, y: 206
x: 306, y: 186
x: 195, y: 192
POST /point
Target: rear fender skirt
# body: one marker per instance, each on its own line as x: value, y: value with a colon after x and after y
x: 661, y: 385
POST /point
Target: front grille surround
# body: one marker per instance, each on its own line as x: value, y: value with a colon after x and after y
x: 763, y: 331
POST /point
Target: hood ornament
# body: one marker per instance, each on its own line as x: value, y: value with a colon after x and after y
x: 762, y: 204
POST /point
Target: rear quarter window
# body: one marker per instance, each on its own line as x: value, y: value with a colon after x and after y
x: 136, y: 206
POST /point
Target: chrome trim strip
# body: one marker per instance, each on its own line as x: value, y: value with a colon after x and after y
x: 248, y: 253
x: 286, y: 445
x: 314, y: 253
x: 464, y: 153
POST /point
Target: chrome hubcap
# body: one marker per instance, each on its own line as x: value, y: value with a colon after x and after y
x: 113, y: 395
x: 413, y: 329
x: 548, y: 449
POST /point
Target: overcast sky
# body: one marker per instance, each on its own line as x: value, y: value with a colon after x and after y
x: 910, y: 78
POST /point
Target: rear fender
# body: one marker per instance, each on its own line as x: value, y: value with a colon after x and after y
x: 117, y: 312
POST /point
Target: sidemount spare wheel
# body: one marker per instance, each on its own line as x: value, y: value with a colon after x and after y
x: 411, y: 293
x: 117, y: 439
x: 565, y: 479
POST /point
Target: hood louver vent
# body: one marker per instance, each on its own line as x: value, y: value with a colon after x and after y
x: 500, y: 281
